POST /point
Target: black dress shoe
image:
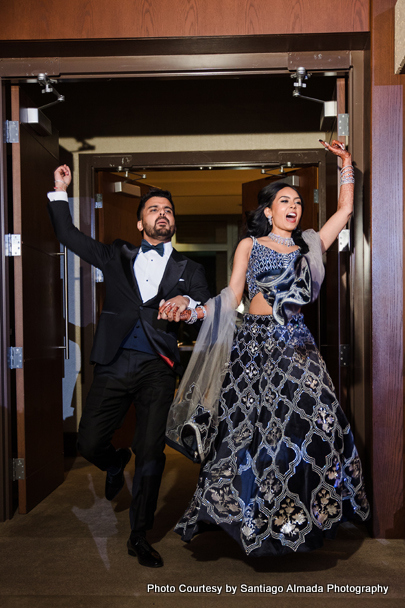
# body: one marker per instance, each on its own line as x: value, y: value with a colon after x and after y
x: 147, y: 556
x: 114, y: 482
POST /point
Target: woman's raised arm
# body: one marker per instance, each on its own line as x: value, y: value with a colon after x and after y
x: 330, y: 230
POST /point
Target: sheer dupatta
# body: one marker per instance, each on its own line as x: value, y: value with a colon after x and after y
x: 192, y: 417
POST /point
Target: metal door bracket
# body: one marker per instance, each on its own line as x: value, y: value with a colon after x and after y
x: 316, y: 196
x: 18, y: 468
x: 15, y: 357
x: 12, y: 245
x: 344, y: 355
x: 344, y: 240
x: 99, y: 275
x: 99, y: 201
x: 11, y: 132
x: 343, y: 125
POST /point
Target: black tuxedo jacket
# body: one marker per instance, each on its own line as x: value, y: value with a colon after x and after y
x: 123, y: 304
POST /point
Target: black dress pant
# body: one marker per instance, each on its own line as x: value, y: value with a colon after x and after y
x: 149, y: 382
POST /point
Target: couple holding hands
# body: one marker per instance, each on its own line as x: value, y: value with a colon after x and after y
x: 256, y: 405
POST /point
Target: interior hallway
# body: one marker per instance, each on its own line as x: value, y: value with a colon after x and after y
x: 70, y: 551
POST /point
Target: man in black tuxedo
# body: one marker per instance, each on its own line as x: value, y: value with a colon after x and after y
x: 135, y: 349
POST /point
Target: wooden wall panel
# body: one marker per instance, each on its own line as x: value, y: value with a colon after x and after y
x: 80, y: 19
x: 387, y: 132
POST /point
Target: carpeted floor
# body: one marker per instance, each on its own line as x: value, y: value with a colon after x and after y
x: 70, y: 551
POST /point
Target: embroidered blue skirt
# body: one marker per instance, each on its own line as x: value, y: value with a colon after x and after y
x: 283, y: 469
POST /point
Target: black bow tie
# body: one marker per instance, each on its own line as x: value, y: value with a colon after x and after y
x: 159, y: 248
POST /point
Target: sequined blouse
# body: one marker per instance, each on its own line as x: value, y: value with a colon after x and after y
x: 263, y: 259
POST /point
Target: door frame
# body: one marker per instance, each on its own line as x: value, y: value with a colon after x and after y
x: 182, y: 65
x: 90, y: 163
x: 6, y: 414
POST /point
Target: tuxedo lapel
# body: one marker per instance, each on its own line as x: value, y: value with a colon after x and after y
x: 128, y: 256
x: 173, y: 271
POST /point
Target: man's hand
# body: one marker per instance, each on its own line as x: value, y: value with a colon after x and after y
x: 171, y: 309
x: 63, y: 177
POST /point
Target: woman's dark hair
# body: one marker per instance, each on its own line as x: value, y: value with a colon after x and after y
x: 153, y: 192
x: 257, y: 223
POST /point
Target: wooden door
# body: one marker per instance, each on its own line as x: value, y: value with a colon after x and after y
x: 38, y: 312
x: 336, y: 324
x: 308, y: 184
x: 117, y: 218
x: 336, y: 343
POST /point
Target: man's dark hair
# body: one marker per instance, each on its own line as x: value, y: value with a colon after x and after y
x: 154, y: 192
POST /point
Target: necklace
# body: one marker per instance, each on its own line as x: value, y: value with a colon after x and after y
x: 281, y: 240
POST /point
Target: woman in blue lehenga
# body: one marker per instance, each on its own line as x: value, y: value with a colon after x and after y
x: 279, y: 466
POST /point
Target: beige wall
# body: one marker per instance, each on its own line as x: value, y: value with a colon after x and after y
x: 181, y: 143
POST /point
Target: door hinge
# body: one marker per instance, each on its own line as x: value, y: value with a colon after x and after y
x: 316, y: 196
x: 344, y: 355
x: 18, y: 468
x: 15, y: 357
x: 99, y: 277
x: 12, y: 245
x: 11, y: 132
x: 344, y: 240
x: 343, y: 125
x: 99, y: 201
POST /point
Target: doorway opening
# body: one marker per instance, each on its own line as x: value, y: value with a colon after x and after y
x: 220, y: 123
x: 211, y: 203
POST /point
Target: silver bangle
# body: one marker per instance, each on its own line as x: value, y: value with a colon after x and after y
x: 193, y: 316
x: 347, y: 175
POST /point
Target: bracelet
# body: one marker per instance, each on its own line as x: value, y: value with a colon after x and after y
x: 204, y: 312
x: 193, y: 317
x: 347, y: 175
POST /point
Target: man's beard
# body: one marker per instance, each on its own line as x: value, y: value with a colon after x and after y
x: 158, y: 232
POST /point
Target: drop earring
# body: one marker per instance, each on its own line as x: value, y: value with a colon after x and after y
x: 270, y: 220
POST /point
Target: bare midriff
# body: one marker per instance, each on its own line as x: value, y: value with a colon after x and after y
x: 259, y: 306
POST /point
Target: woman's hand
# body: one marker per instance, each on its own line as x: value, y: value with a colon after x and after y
x: 200, y: 310
x: 171, y: 310
x: 63, y: 177
x: 338, y: 149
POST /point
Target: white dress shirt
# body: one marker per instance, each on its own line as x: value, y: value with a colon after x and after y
x: 149, y: 267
